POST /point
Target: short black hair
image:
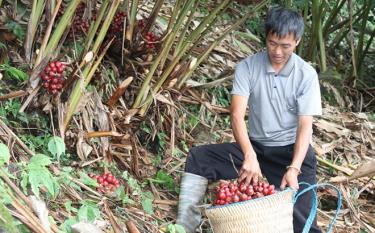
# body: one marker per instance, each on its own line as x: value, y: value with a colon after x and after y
x: 282, y: 21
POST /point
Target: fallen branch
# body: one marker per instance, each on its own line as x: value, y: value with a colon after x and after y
x: 116, y: 228
x: 119, y: 92
x: 10, y: 133
x: 131, y: 227
x: 13, y: 94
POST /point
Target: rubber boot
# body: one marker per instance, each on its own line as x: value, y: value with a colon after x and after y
x: 193, y: 188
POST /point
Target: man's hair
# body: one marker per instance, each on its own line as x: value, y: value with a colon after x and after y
x: 282, y: 21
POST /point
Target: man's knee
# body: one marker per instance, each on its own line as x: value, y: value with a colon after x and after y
x: 192, y: 161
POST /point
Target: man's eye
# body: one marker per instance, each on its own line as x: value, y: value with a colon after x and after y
x: 285, y: 46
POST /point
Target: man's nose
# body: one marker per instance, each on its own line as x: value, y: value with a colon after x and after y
x: 278, y: 50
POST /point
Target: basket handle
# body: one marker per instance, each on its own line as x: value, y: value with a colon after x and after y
x: 314, y: 201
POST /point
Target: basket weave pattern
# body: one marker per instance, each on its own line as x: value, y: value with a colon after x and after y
x: 270, y: 214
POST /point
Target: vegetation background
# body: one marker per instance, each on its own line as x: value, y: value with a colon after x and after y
x: 146, y: 80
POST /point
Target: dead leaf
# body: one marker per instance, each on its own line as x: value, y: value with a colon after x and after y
x: 83, y: 227
x: 366, y: 169
x: 332, y: 127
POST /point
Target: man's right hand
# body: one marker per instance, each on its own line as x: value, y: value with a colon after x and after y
x: 250, y: 171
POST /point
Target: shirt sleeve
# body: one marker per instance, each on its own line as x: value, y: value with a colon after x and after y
x: 309, y: 101
x: 241, y: 82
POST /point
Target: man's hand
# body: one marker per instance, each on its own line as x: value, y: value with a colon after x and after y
x: 250, y: 171
x: 290, y: 179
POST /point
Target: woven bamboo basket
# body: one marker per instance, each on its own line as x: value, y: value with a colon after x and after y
x: 269, y: 214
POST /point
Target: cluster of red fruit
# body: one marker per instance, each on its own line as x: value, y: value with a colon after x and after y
x: 52, y: 77
x: 107, y: 182
x: 118, y: 22
x: 141, y: 23
x: 227, y: 193
x: 80, y: 25
x: 150, y: 39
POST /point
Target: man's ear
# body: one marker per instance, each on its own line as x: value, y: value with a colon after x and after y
x: 297, y: 43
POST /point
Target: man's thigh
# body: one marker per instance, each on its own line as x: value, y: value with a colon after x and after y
x: 216, y: 161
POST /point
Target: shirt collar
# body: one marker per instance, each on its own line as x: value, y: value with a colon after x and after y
x: 285, y: 71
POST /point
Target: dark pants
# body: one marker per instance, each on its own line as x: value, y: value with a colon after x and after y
x: 214, y: 162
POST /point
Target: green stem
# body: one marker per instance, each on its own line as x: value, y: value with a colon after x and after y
x: 195, y: 35
x: 332, y: 16
x: 61, y: 27
x: 176, y: 27
x: 176, y: 9
x: 175, y: 61
x: 181, y: 37
x: 133, y: 14
x: 216, y: 42
x: 90, y: 68
x: 351, y: 42
x: 362, y: 34
x: 36, y: 13
x: 47, y: 34
x: 154, y: 14
x: 288, y: 3
x: 345, y: 23
x: 94, y: 27
x: 365, y: 51
x: 163, y: 53
x: 78, y: 90
x: 302, y: 42
x: 104, y: 29
x: 315, y: 31
x: 323, y: 58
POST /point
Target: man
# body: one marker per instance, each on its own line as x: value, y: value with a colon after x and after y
x: 283, y: 94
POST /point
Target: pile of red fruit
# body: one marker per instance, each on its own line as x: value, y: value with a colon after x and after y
x: 227, y: 193
x: 107, y: 182
x: 53, y: 77
x: 150, y: 39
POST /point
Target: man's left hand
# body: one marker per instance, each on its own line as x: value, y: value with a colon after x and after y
x: 290, y: 179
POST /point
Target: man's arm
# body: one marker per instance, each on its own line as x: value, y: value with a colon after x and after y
x: 300, y: 149
x: 250, y: 170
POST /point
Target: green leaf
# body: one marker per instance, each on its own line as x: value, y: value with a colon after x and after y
x: 39, y: 160
x: 124, y: 196
x: 87, y: 180
x: 3, y: 46
x: 171, y: 228
x: 147, y: 205
x: 242, y: 46
x: 13, y: 72
x: 146, y: 201
x: 179, y: 228
x: 6, y: 220
x: 88, y: 211
x: 56, y: 146
x: 4, y: 154
x: 24, y: 179
x: 69, y: 207
x: 5, y: 198
x: 67, y: 225
x: 163, y: 178
x: 39, y: 175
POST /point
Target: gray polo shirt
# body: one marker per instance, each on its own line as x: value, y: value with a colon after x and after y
x: 276, y: 100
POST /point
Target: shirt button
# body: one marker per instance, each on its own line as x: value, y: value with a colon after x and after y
x: 275, y: 75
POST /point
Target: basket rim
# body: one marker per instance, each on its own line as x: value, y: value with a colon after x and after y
x: 288, y: 189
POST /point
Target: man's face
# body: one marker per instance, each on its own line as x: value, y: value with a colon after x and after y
x: 279, y: 49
